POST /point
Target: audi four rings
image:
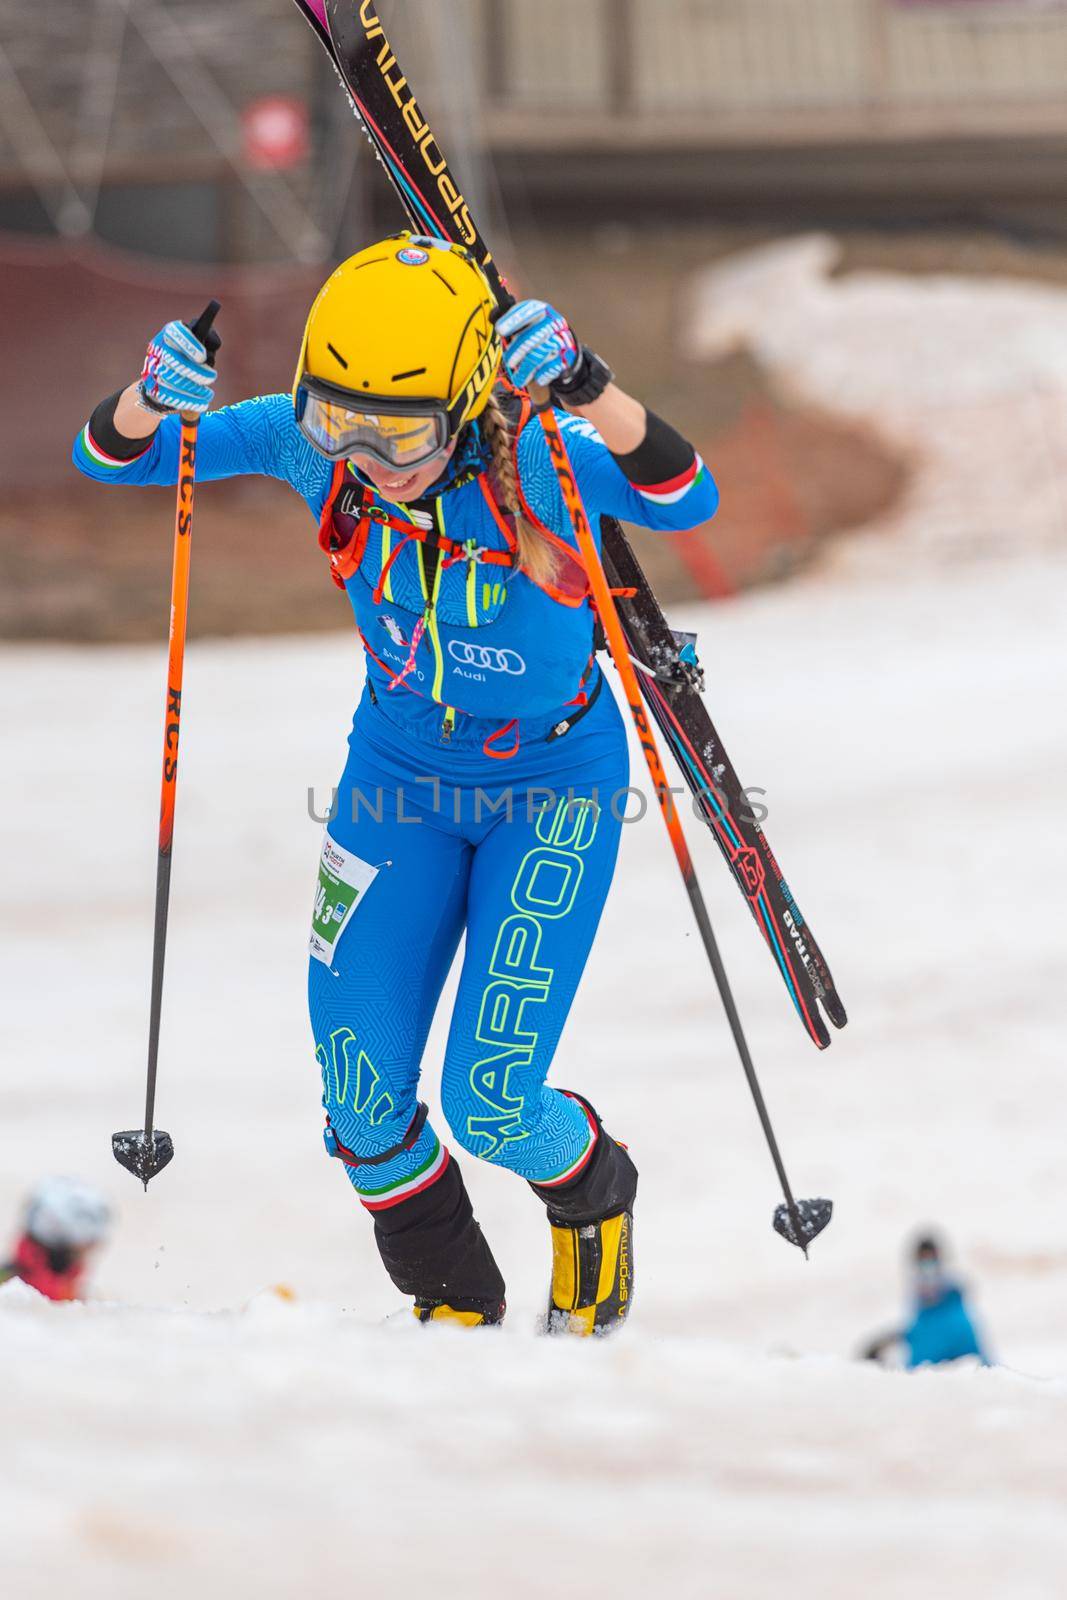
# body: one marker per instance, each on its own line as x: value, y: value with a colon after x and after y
x: 486, y: 657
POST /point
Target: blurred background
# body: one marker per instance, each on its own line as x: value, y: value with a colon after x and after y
x: 828, y: 239
x: 150, y: 158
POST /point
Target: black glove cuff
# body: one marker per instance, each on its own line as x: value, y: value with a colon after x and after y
x: 585, y: 384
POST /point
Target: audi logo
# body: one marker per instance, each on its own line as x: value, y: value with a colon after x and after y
x: 486, y: 657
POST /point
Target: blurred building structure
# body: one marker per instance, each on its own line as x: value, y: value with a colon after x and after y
x: 750, y: 105
x: 777, y: 69
x: 129, y: 117
x: 124, y: 118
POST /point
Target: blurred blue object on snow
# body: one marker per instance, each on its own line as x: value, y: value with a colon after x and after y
x: 941, y: 1326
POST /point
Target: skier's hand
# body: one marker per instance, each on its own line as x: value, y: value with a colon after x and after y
x: 539, y: 344
x: 178, y: 374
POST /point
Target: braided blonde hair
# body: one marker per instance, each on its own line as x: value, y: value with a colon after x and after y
x: 537, y: 557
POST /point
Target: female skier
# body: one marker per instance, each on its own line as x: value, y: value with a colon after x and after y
x: 481, y: 795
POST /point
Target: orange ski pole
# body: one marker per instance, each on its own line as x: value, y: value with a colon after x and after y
x: 146, y: 1151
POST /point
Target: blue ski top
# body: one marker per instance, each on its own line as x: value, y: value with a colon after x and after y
x: 476, y: 638
x: 943, y: 1331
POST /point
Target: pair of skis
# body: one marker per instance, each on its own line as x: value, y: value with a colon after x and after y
x: 671, y: 682
x: 658, y: 670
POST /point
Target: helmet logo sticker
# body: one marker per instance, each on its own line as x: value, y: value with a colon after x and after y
x: 411, y: 256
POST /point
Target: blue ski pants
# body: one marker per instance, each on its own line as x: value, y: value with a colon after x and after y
x: 518, y: 856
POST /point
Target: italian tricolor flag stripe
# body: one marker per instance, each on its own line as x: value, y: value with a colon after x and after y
x: 673, y: 489
x: 101, y: 457
x: 393, y: 1193
x: 576, y: 1166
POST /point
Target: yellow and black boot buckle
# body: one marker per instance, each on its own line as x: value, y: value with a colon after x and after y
x: 465, y: 1314
x: 592, y: 1276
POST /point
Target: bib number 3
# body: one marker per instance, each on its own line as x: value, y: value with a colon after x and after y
x: 343, y: 881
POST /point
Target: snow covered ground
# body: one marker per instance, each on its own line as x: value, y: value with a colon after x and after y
x: 194, y: 1431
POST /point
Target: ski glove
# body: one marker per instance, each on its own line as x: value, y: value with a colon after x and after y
x: 176, y: 375
x: 540, y: 347
x: 539, y: 344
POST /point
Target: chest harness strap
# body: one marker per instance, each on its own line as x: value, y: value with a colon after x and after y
x: 348, y: 514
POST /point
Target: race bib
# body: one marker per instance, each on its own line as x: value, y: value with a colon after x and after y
x: 343, y: 881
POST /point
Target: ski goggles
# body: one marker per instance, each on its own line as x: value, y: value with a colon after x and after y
x: 401, y: 434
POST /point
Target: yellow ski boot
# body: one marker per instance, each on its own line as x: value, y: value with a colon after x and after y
x: 592, y: 1276
x: 467, y: 1314
x: 591, y: 1220
x: 433, y: 1249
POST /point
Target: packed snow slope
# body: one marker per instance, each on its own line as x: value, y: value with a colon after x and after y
x: 194, y: 1431
x: 966, y: 377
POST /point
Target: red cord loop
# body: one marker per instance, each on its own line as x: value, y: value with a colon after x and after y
x: 498, y: 733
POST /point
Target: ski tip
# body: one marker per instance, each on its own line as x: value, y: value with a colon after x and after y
x: 813, y: 1020
x: 141, y: 1155
x: 804, y: 1223
x: 835, y: 1010
x: 817, y: 1029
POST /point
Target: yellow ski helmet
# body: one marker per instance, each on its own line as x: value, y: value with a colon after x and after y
x: 399, y: 353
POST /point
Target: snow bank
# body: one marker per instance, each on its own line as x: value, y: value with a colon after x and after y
x: 286, y: 1449
x: 967, y: 376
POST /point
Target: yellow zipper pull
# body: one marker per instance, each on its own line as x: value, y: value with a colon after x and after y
x: 448, y: 723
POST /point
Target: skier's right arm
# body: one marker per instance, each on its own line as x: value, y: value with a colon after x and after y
x: 875, y: 1349
x: 134, y: 436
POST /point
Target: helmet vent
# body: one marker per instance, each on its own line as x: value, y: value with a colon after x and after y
x: 398, y: 377
x: 445, y: 281
x: 337, y: 356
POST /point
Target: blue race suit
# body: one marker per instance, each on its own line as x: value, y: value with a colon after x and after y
x: 942, y: 1330
x: 483, y: 783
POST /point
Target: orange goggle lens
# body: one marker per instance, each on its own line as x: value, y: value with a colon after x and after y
x: 400, y: 440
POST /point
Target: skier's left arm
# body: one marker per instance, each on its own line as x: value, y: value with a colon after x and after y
x: 661, y: 483
x: 629, y: 462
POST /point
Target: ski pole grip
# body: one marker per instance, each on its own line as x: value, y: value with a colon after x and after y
x: 541, y: 396
x: 202, y: 329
